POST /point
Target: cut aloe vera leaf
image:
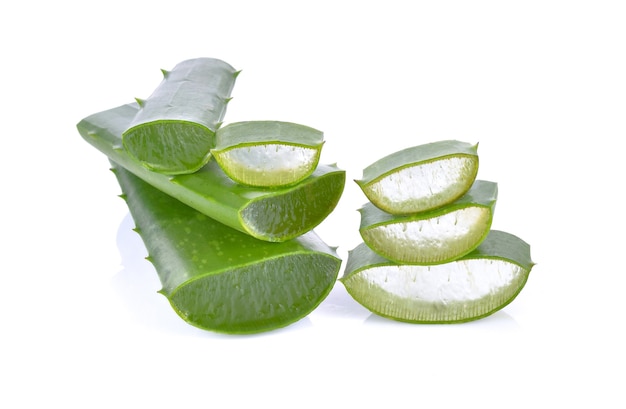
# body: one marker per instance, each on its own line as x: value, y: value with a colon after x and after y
x: 268, y: 214
x: 432, y: 237
x: 422, y: 177
x: 268, y: 153
x: 471, y: 287
x: 174, y: 130
x: 219, y: 279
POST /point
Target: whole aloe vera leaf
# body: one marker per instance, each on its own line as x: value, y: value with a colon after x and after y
x: 435, y: 236
x: 421, y: 177
x: 471, y: 287
x: 267, y: 214
x: 220, y: 279
x: 268, y: 153
x: 174, y: 130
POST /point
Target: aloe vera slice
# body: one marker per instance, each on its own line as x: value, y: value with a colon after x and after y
x: 268, y: 153
x: 422, y: 177
x: 432, y: 237
x: 219, y: 279
x: 471, y: 287
x: 267, y: 214
x: 174, y: 130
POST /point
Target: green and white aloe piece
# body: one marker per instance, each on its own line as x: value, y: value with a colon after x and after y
x: 268, y: 153
x: 268, y: 214
x: 220, y: 279
x: 174, y: 130
x: 432, y: 237
x: 471, y: 287
x: 422, y: 177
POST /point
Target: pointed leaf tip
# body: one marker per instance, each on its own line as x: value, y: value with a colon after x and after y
x: 236, y: 74
x: 165, y: 73
x: 141, y: 102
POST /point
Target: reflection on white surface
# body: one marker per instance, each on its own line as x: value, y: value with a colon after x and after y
x: 137, y: 284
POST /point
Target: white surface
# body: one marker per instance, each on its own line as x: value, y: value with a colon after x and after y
x: 539, y: 84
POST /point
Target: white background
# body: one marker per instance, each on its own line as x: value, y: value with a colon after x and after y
x: 541, y: 85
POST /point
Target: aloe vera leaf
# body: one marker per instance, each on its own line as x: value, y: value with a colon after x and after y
x: 267, y: 214
x: 471, y: 287
x: 268, y: 153
x: 174, y: 130
x: 422, y: 177
x: 220, y: 279
x: 435, y: 236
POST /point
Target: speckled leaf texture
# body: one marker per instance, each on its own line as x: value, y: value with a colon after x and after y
x: 219, y: 279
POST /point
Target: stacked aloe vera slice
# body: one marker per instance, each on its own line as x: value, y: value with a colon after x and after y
x: 428, y: 253
x: 226, y: 212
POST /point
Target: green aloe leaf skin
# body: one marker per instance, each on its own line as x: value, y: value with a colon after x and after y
x: 222, y: 280
x: 267, y: 214
x: 422, y: 177
x: 435, y: 236
x: 174, y: 130
x: 469, y: 288
x: 268, y: 153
